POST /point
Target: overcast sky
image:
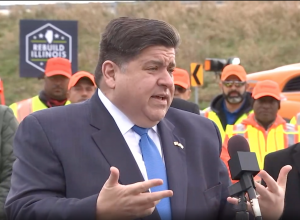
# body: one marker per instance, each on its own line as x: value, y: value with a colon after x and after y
x: 45, y: 2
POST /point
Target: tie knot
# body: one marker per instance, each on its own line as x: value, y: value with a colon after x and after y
x: 140, y: 131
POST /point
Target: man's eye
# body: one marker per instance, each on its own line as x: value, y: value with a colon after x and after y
x: 171, y: 71
x: 153, y: 68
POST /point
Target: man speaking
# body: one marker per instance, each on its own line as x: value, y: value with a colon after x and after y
x: 119, y: 155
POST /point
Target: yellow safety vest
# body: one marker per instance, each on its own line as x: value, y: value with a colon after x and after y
x: 262, y: 144
x: 295, y: 120
x: 208, y: 113
x: 25, y: 107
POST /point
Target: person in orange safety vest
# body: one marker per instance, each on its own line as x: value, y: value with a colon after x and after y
x: 265, y: 130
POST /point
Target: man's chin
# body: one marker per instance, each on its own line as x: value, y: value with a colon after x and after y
x: 234, y: 100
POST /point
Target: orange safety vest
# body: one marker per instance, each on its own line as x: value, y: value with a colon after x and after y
x: 279, y: 136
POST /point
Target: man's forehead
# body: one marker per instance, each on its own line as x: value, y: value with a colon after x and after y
x: 267, y: 98
x: 84, y: 80
x: 233, y: 77
x: 158, y: 53
x: 159, y: 60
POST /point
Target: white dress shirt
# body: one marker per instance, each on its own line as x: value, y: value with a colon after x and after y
x: 132, y: 139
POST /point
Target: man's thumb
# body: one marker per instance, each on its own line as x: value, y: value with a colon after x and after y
x: 113, y: 177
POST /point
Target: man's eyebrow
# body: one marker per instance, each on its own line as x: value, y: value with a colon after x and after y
x: 160, y: 63
x: 156, y: 62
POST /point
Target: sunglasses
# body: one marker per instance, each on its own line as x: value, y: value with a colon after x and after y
x: 237, y: 84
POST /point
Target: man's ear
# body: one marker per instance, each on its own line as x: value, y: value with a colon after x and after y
x: 220, y: 84
x: 189, y: 91
x: 247, y: 86
x: 109, y: 70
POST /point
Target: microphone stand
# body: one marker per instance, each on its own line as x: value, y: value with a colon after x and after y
x: 246, y: 184
x: 242, y: 213
x: 236, y: 190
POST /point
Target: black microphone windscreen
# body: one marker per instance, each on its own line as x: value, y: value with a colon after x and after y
x: 237, y: 143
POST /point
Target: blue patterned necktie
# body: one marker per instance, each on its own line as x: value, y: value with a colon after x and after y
x: 155, y: 169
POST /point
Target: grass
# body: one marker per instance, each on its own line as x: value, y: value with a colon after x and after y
x: 264, y: 35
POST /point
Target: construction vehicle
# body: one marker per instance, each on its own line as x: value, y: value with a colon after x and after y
x: 287, y: 77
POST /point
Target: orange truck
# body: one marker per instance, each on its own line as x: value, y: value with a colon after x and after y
x: 288, y: 78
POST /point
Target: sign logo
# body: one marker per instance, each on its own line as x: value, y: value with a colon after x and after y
x: 46, y: 42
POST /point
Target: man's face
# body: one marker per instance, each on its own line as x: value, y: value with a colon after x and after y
x: 234, y: 89
x: 144, y: 89
x: 56, y: 87
x: 265, y: 109
x: 83, y: 90
x: 187, y: 94
x: 183, y: 95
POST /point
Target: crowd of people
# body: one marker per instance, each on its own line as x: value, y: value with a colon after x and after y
x: 125, y: 142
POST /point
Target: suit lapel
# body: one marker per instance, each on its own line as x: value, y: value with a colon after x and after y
x: 175, y: 161
x: 296, y: 157
x: 112, y: 144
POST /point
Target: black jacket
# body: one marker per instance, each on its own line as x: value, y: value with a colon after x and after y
x: 185, y: 105
x: 217, y: 107
x: 273, y: 163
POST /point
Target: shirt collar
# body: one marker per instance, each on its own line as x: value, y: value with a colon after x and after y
x: 236, y: 111
x: 122, y: 121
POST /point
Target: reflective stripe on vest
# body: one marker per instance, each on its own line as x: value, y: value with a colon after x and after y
x: 208, y: 113
x: 24, y: 108
x: 277, y: 138
x: 202, y: 113
x: 298, y: 118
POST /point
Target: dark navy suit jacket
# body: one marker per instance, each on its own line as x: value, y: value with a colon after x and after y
x: 64, y: 155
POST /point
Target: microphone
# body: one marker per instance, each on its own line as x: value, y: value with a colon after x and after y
x: 243, y: 166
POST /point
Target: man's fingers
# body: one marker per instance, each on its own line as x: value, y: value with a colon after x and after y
x: 150, y: 205
x: 156, y: 196
x: 113, y: 177
x: 261, y: 190
x: 282, y: 177
x: 281, y: 181
x: 234, y: 201
x: 270, y: 182
x: 144, y: 186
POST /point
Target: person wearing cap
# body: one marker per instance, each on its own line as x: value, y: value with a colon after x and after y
x: 265, y: 130
x: 182, y: 84
x: 81, y: 87
x: 234, y: 104
x: 183, y: 92
x: 57, y: 74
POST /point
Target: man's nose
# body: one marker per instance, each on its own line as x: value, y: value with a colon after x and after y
x: 166, y: 79
x: 84, y: 92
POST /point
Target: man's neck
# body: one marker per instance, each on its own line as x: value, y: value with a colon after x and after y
x: 233, y: 107
x: 50, y: 102
x: 265, y: 125
x: 178, y: 96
